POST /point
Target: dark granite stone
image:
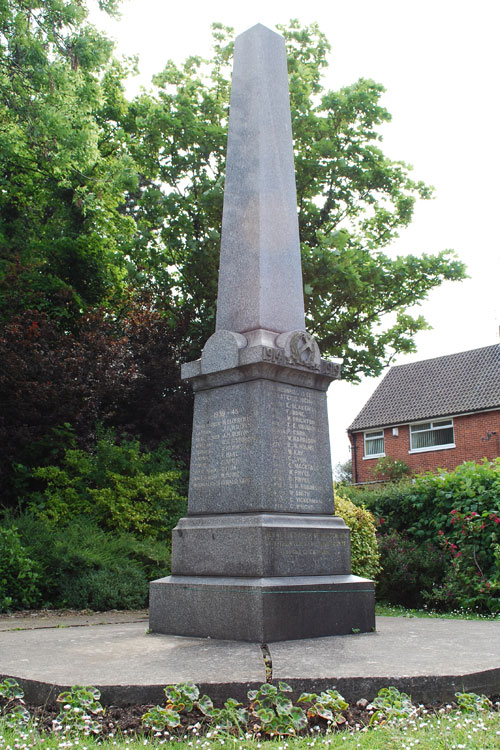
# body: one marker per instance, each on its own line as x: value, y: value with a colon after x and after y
x: 262, y: 609
x: 261, y: 555
x: 260, y: 446
x: 260, y: 545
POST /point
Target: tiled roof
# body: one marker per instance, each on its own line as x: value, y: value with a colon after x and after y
x: 444, y: 386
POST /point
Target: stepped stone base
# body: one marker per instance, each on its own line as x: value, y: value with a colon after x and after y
x: 261, y: 610
x: 260, y: 545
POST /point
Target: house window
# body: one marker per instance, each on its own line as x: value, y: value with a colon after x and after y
x: 429, y: 435
x: 374, y: 444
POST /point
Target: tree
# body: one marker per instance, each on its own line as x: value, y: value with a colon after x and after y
x: 100, y: 195
x: 55, y: 386
x: 110, y: 215
x: 65, y: 165
x: 352, y: 200
x: 343, y: 472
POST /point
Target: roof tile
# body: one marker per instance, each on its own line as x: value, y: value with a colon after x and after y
x: 443, y: 386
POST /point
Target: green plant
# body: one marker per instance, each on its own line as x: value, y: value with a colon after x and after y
x: 273, y: 713
x: 391, y: 469
x: 392, y: 705
x: 469, y: 703
x: 421, y: 506
x: 458, y: 511
x: 79, y: 707
x: 19, y: 574
x: 232, y: 718
x: 80, y: 565
x: 409, y: 570
x: 13, y: 711
x: 327, y: 705
x: 180, y: 698
x: 365, y: 559
x: 472, y: 580
x: 120, y: 485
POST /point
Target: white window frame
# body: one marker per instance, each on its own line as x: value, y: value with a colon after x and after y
x: 375, y: 435
x: 436, y: 424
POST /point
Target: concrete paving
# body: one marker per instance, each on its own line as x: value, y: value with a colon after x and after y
x: 429, y: 658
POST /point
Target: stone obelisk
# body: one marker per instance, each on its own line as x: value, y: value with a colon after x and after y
x: 261, y: 555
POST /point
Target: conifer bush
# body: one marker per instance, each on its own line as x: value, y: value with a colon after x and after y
x: 18, y: 573
x: 82, y: 566
x: 120, y: 485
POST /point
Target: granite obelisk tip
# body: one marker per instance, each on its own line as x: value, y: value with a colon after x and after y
x: 260, y: 277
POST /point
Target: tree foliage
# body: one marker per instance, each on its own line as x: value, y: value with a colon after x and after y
x: 110, y: 215
x: 65, y: 166
x: 352, y: 201
x: 101, y: 194
x: 122, y: 373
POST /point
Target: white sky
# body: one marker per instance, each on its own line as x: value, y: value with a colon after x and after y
x: 439, y: 61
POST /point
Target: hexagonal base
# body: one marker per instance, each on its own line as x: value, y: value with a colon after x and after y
x: 262, y: 610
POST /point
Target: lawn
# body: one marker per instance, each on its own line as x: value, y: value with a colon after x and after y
x: 448, y: 730
x: 396, y: 610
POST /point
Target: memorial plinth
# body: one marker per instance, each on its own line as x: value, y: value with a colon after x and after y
x: 261, y: 555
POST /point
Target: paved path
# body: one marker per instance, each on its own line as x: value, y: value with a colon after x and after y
x: 430, y: 658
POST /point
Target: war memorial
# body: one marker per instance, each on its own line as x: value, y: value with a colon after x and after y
x: 261, y: 555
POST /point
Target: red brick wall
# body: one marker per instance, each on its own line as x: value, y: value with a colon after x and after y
x: 471, y: 433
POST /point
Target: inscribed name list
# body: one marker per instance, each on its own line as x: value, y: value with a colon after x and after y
x: 260, y: 446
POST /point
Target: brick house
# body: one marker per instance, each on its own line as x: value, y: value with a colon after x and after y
x: 431, y: 414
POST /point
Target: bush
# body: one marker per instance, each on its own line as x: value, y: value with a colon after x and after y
x: 97, y: 528
x: 364, y: 553
x: 18, y: 573
x: 472, y: 580
x: 390, y: 469
x: 389, y: 503
x: 457, y: 511
x: 119, y: 485
x: 81, y: 566
x: 409, y: 570
x: 421, y: 506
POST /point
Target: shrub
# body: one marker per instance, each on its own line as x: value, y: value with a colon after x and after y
x: 119, y: 485
x: 458, y: 511
x: 409, y: 570
x: 472, y: 580
x: 421, y: 506
x: 82, y: 566
x: 391, y: 469
x: 388, y: 503
x: 364, y: 553
x: 18, y: 573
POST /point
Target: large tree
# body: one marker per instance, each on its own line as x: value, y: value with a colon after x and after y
x: 352, y: 202
x: 65, y: 165
x: 110, y: 211
x: 99, y: 194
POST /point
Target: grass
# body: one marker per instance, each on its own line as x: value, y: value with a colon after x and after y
x: 445, y: 731
x: 396, y: 610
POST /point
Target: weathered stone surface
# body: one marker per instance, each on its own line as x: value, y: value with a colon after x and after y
x: 221, y: 352
x: 262, y: 609
x: 131, y: 667
x: 260, y: 277
x: 260, y: 446
x: 260, y: 362
x: 261, y: 556
x: 265, y: 545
